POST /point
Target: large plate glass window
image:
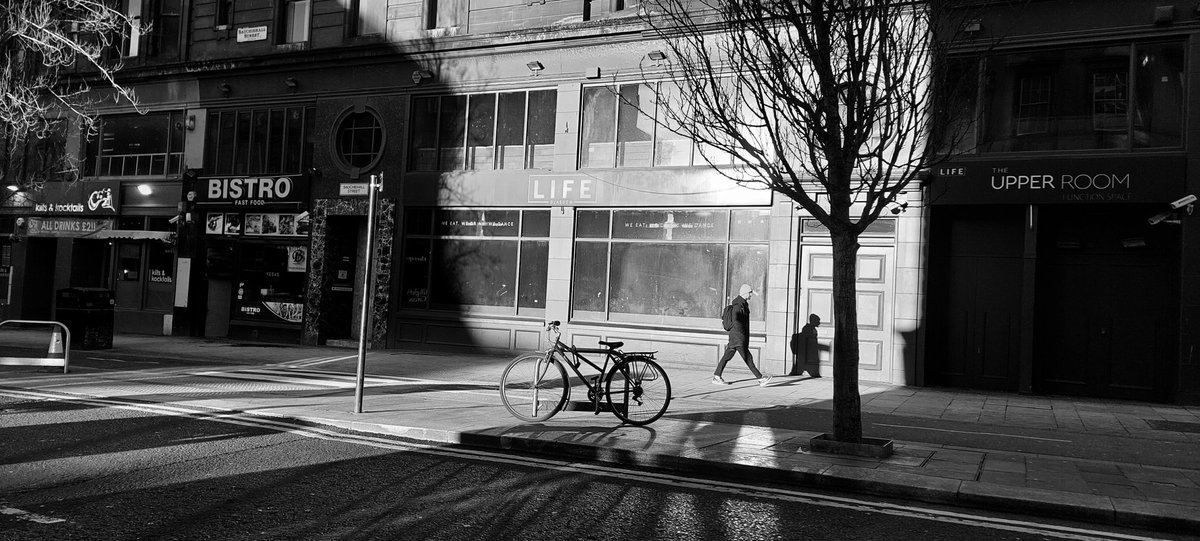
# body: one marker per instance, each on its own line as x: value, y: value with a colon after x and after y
x: 1113, y: 96
x: 479, y: 260
x: 671, y: 266
x: 149, y: 145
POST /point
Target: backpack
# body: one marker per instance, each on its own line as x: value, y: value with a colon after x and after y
x: 727, y: 317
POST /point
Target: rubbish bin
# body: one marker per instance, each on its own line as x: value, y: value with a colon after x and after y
x: 88, y: 313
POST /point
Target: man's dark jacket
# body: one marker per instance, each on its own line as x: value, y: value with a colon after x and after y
x: 740, y: 332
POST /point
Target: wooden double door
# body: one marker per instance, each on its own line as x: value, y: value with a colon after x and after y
x: 1101, y: 285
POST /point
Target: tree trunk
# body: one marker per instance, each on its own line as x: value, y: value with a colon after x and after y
x: 847, y: 411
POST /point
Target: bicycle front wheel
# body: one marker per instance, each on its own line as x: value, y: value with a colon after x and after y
x: 534, y: 387
x: 638, y: 390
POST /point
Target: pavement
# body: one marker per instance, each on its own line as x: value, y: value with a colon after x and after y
x: 1102, y: 461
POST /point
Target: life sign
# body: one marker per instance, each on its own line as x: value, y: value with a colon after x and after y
x: 560, y: 190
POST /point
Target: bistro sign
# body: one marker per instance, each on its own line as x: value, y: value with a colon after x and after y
x: 1093, y: 180
x: 253, y: 191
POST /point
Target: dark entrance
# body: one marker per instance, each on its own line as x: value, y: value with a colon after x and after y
x: 1105, y: 309
x: 975, y: 297
x: 339, y: 315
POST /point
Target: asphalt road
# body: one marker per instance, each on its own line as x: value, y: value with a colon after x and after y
x: 72, y: 470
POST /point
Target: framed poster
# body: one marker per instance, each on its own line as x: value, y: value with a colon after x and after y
x: 214, y: 223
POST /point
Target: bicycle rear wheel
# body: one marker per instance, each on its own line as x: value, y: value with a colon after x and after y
x: 534, y: 387
x: 638, y: 390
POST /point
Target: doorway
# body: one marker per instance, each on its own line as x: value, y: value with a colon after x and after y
x: 975, y: 283
x: 1107, y: 303
x: 341, y: 309
x: 876, y: 294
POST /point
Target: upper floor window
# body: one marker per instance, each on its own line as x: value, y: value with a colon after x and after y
x: 224, y: 15
x: 510, y: 130
x: 156, y: 28
x: 626, y: 126
x: 294, y: 19
x: 148, y: 145
x: 368, y: 17
x: 266, y: 141
x: 358, y: 140
x: 1118, y: 96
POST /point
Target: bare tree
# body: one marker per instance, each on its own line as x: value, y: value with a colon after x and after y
x: 827, y: 102
x: 55, y: 51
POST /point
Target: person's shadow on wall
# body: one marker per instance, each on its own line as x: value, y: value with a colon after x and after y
x: 806, y: 349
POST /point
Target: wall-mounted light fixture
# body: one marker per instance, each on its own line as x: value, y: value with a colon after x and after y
x: 15, y: 188
x: 420, y: 75
x: 972, y: 26
x: 145, y: 189
x: 535, y: 67
x: 190, y: 123
x: 291, y: 83
x: 657, y: 56
x: 225, y: 89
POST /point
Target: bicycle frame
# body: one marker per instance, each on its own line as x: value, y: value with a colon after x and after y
x: 573, y: 355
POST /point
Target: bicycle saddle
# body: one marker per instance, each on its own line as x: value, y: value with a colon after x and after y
x: 611, y: 345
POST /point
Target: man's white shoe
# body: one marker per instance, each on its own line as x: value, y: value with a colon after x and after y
x: 762, y: 382
x: 718, y: 380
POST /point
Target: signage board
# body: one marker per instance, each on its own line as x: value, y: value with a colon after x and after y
x: 66, y: 226
x: 252, y: 192
x: 353, y: 189
x: 251, y: 33
x: 561, y: 189
x: 1133, y: 179
x: 82, y: 198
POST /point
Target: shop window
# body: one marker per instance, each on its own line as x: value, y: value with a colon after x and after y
x: 488, y: 261
x: 1117, y: 96
x: 295, y: 20
x: 673, y: 266
x: 628, y: 126
x: 268, y: 141
x: 358, y: 141
x: 148, y: 145
x: 270, y: 283
x: 5, y: 273
x: 512, y: 130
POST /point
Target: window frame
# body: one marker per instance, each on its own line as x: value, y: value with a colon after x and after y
x: 421, y: 228
x: 734, y: 238
x: 225, y: 151
x: 442, y: 157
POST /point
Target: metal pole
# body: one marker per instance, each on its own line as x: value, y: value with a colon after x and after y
x: 368, y: 291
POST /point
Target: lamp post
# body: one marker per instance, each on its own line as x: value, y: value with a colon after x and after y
x: 376, y: 184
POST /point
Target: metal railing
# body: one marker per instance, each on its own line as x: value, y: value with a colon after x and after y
x: 47, y: 360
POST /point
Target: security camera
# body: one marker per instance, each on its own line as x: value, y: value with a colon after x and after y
x: 1158, y: 218
x: 174, y: 220
x: 302, y: 216
x: 1183, y: 202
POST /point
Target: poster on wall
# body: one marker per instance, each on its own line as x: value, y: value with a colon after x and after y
x: 257, y: 224
x: 254, y: 224
x: 214, y: 223
x: 297, y: 258
x: 233, y: 223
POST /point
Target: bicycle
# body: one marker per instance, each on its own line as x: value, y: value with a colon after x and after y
x: 535, y: 386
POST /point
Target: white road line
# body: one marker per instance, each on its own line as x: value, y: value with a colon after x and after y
x: 1025, y: 526
x: 32, y: 517
x: 973, y: 432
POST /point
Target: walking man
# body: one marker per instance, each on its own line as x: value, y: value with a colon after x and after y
x: 739, y: 338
